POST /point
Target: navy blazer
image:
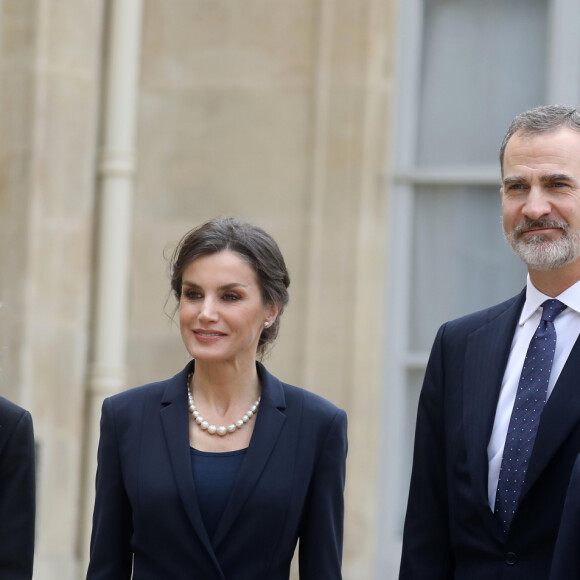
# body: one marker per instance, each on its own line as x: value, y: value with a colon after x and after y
x: 450, y: 531
x: 17, y: 492
x: 566, y: 563
x: 290, y: 486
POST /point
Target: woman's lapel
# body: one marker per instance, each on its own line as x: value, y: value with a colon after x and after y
x: 175, y: 420
x: 269, y: 422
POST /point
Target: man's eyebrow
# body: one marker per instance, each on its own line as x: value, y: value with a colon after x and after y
x: 548, y: 178
x: 551, y: 177
x: 513, y: 179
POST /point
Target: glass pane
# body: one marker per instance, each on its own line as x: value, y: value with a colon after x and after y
x: 483, y: 63
x: 461, y: 262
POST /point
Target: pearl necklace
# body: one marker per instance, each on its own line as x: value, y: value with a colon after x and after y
x: 222, y: 429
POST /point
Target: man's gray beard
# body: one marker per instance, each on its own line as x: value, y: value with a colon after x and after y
x: 541, y: 253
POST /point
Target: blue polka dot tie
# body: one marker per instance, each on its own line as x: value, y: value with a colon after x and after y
x: 528, y: 406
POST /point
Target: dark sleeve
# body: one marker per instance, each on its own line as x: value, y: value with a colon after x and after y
x: 566, y: 562
x: 110, y: 556
x: 17, y: 501
x: 321, y: 530
x: 426, y: 543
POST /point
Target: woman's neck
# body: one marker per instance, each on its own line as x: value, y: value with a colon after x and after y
x: 222, y: 385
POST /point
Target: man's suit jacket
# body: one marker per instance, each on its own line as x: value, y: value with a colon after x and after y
x: 450, y: 531
x: 566, y: 562
x: 290, y: 486
x: 17, y: 492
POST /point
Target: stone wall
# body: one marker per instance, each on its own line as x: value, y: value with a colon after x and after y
x: 273, y: 111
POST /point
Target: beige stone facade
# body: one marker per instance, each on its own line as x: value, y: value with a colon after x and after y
x: 274, y: 111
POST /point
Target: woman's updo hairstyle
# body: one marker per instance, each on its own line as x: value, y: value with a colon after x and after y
x: 254, y: 246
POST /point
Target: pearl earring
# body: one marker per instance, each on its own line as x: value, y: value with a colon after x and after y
x: 266, y: 324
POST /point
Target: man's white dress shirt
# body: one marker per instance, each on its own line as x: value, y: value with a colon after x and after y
x: 567, y: 326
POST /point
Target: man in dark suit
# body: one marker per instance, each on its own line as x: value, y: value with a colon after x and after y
x: 496, y: 439
x: 17, y: 492
x: 566, y: 563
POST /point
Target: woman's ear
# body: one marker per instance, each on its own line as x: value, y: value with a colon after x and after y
x: 271, y: 312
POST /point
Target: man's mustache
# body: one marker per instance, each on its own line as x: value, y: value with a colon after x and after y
x: 538, y: 224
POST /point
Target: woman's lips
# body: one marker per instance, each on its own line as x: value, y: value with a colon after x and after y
x: 208, y: 335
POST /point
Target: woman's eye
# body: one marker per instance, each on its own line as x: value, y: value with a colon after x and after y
x: 231, y: 296
x: 192, y: 295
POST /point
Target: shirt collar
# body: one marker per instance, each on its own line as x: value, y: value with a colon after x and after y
x: 534, y: 299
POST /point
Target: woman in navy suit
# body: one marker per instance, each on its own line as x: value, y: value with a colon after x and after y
x: 217, y: 472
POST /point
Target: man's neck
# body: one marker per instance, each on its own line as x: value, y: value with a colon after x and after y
x: 553, y: 282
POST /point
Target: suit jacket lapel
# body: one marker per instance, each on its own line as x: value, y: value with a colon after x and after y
x: 269, y: 422
x: 559, y: 417
x: 175, y: 421
x: 486, y: 357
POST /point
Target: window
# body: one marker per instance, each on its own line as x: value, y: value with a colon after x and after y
x: 465, y: 69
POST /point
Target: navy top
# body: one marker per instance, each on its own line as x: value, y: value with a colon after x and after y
x: 214, y: 475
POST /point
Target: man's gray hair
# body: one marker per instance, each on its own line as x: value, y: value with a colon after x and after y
x: 541, y: 119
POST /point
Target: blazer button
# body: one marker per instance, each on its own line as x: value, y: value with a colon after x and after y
x: 511, y: 558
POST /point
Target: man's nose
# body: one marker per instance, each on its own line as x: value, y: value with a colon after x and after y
x: 537, y: 204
